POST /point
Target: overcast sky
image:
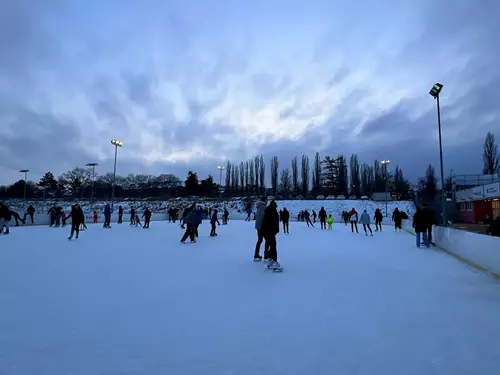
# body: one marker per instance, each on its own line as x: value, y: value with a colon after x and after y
x: 189, y: 84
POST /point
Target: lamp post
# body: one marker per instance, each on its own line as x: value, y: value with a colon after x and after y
x: 117, y: 144
x: 220, y: 168
x: 435, y: 91
x: 25, y: 171
x: 93, y: 165
x: 385, y: 163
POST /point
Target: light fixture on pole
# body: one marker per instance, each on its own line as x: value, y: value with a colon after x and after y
x: 435, y: 91
x: 117, y: 144
x: 93, y: 165
x: 220, y: 168
x: 385, y: 163
x: 25, y: 171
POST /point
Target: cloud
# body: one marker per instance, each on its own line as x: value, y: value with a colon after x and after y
x: 186, y: 87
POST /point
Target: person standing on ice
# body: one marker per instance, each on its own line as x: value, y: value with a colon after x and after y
x: 270, y: 228
x: 345, y: 217
x: 259, y: 217
x: 213, y: 220
x: 107, y: 217
x: 225, y: 217
x: 16, y: 217
x: 120, y: 215
x: 5, y: 217
x: 147, y: 218
x: 77, y: 218
x: 330, y: 222
x: 190, y: 222
x: 322, y: 217
x: 397, y: 218
x: 198, y: 221
x: 307, y: 216
x: 314, y: 216
x: 353, y: 217
x: 420, y: 225
x: 378, y: 220
x: 132, y: 216
x: 285, y: 218
x: 29, y: 212
x: 365, y: 220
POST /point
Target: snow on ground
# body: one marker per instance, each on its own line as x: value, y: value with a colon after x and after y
x: 134, y: 301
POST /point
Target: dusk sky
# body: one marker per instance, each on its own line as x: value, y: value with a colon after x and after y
x: 189, y: 84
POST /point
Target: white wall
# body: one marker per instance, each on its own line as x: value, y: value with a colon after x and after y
x: 479, y: 249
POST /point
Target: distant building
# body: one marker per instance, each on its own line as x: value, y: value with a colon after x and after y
x: 477, y: 197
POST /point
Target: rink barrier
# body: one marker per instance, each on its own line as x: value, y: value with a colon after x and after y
x: 476, y: 250
x: 41, y: 219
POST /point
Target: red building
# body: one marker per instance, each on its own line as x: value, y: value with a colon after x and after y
x: 475, y: 204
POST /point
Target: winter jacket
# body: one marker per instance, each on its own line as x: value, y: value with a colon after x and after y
x: 285, y: 215
x: 5, y: 213
x: 307, y: 215
x: 271, y: 221
x: 214, y: 219
x: 353, y: 215
x: 77, y: 216
x: 429, y: 216
x: 330, y: 220
x: 259, y: 214
x: 365, y: 218
x: 107, y: 211
x: 198, y: 217
x: 322, y: 214
x: 378, y: 215
x: 420, y: 222
x: 147, y: 214
x: 190, y: 217
x: 31, y: 209
x: 396, y: 216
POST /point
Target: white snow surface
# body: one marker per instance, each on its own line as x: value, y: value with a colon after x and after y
x: 134, y: 301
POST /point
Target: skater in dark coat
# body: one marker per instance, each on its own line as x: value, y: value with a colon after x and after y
x: 420, y: 225
x: 345, y: 217
x: 29, y: 212
x: 213, y: 220
x: 322, y: 217
x: 198, y: 221
x: 431, y: 220
x: 132, y: 216
x: 378, y: 220
x: 190, y: 221
x: 285, y: 218
x: 77, y: 218
x: 120, y: 215
x: 225, y: 217
x: 107, y: 217
x: 259, y: 217
x: 398, y: 219
x: 16, y: 217
x: 5, y: 217
x: 147, y: 218
x: 270, y: 228
x: 314, y: 216
x: 307, y: 216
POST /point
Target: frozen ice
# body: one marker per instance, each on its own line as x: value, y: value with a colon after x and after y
x: 136, y: 301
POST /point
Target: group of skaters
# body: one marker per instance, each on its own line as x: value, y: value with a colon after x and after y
x: 6, y: 215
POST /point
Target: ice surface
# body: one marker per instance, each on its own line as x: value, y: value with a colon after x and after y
x: 134, y: 301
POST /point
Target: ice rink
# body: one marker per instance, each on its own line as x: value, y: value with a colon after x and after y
x: 134, y: 301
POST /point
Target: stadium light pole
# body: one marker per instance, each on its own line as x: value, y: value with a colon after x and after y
x: 385, y: 163
x: 25, y: 171
x: 117, y: 144
x: 220, y: 168
x: 435, y: 91
x: 93, y: 165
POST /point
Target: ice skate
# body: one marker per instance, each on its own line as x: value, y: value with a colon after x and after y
x: 193, y: 241
x: 366, y: 234
x: 371, y: 234
x: 257, y: 258
x: 269, y: 263
x: 276, y: 267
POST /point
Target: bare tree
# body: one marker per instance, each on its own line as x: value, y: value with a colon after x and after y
x: 285, y: 186
x: 228, y: 189
x: 491, y: 159
x: 305, y: 175
x: 355, y: 178
x: 247, y: 176
x: 274, y: 174
x: 257, y: 174
x: 242, y: 178
x: 295, y: 176
x: 316, y: 177
x: 252, y: 177
x: 262, y: 175
x: 76, y: 180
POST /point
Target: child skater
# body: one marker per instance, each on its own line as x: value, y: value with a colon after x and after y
x: 330, y: 221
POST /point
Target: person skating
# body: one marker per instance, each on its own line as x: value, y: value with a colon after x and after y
x: 63, y: 218
x: 285, y: 218
x: 249, y: 214
x: 96, y: 217
x: 378, y: 220
x: 29, y: 212
x: 431, y: 220
x: 52, y: 213
x: 353, y: 218
x: 5, y: 217
x: 120, y: 214
x: 307, y: 217
x: 137, y: 220
x: 345, y: 217
x: 214, y: 220
x: 314, y: 216
x: 420, y: 225
x: 16, y: 217
x: 322, y: 217
x: 107, y: 217
x: 77, y: 218
x: 147, y: 218
x: 198, y: 221
x: 397, y: 218
x: 259, y: 217
x: 225, y: 217
x: 132, y: 216
x: 365, y: 220
x: 190, y: 222
x: 330, y: 222
x: 270, y: 228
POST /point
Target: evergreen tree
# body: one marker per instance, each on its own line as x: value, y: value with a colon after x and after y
x: 305, y: 175
x: 316, y: 178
